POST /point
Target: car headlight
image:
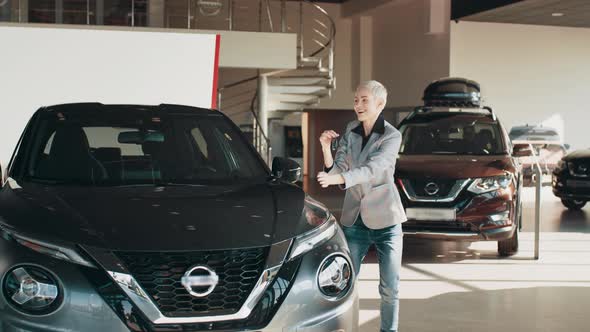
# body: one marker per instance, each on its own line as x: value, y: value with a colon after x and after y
x: 49, y: 249
x: 325, y: 228
x: 485, y: 185
x: 32, y: 290
x: 314, y: 238
x: 335, y: 276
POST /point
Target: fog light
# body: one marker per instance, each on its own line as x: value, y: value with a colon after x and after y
x: 32, y: 290
x: 335, y: 277
x: 499, y: 219
x: 503, y: 217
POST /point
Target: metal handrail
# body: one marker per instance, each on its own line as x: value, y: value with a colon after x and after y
x: 332, y: 27
x: 240, y: 82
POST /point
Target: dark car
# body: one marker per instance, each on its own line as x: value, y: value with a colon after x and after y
x: 534, y: 133
x: 571, y: 179
x: 457, y: 170
x: 162, y: 218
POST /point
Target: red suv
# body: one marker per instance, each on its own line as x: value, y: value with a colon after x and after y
x: 457, y: 173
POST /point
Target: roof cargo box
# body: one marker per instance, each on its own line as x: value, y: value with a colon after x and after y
x: 452, y: 92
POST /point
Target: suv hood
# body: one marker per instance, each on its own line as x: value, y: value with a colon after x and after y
x: 156, y: 218
x: 578, y: 155
x: 452, y: 166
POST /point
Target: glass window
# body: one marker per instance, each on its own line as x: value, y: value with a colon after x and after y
x: 451, y: 135
x: 75, y: 11
x: 9, y: 10
x: 42, y: 11
x: 117, y: 12
x: 114, y: 148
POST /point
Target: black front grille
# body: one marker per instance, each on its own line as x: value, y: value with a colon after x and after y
x: 159, y: 273
x: 261, y: 315
x: 444, y: 187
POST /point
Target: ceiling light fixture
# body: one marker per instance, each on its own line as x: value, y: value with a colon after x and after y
x: 557, y: 14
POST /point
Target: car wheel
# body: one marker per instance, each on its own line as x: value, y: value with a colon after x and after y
x: 519, y: 215
x: 509, y: 246
x: 573, y: 204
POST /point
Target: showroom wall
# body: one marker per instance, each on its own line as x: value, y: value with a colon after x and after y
x: 529, y: 74
x: 404, y: 44
x: 409, y: 47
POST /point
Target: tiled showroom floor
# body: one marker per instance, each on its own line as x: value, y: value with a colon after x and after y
x: 448, y: 286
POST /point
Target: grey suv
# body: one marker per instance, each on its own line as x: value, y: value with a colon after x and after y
x: 162, y: 218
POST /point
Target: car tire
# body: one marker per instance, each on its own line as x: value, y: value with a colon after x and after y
x: 573, y: 204
x: 509, y: 246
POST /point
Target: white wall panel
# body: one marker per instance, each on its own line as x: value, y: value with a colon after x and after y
x: 42, y: 66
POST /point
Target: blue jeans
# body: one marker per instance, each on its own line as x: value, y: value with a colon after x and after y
x: 389, y: 244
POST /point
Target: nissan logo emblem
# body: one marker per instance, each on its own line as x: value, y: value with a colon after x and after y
x: 431, y: 189
x: 199, y: 281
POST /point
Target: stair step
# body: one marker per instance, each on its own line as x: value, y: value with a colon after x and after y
x: 288, y: 106
x: 309, y: 63
x: 315, y: 60
x: 300, y: 81
x: 299, y: 90
x: 295, y: 98
x: 307, y: 72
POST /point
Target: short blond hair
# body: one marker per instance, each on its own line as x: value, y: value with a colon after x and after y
x: 377, y: 89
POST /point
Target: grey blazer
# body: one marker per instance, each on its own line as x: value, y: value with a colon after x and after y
x: 368, y: 175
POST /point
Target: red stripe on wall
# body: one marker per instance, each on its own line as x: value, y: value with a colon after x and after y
x: 215, y: 73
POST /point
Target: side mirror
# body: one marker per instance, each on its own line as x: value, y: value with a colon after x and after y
x: 522, y: 150
x: 286, y: 169
x: 567, y: 146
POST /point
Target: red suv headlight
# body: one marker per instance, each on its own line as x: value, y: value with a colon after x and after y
x: 485, y: 185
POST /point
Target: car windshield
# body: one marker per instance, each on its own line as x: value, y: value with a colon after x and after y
x: 114, y: 148
x: 452, y: 135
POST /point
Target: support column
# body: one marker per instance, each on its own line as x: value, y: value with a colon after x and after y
x: 59, y: 11
x: 23, y: 11
x: 439, y: 14
x: 99, y: 12
x: 263, y: 103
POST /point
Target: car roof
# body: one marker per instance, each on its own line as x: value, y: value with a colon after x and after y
x: 86, y: 108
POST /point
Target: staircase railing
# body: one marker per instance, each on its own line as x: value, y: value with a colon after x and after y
x: 232, y: 98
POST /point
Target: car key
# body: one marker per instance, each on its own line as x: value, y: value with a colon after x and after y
x: 334, y: 144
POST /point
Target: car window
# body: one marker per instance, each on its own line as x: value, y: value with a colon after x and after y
x: 114, y: 149
x: 452, y: 136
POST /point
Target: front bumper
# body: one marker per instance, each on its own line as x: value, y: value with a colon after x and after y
x: 486, y: 217
x: 84, y: 309
x: 495, y: 234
